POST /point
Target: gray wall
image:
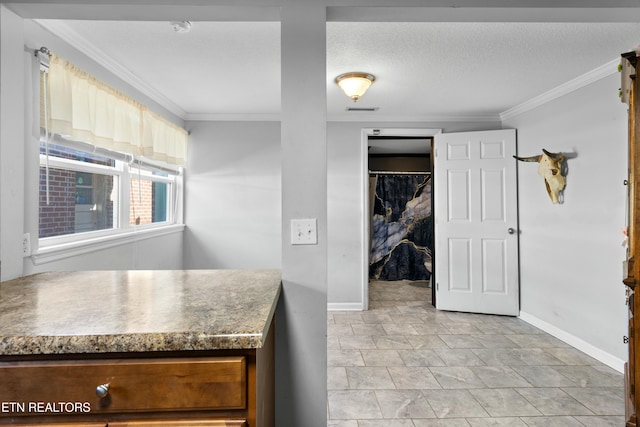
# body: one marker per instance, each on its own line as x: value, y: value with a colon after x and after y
x: 584, y: 231
x: 571, y: 254
x: 591, y: 301
x: 154, y: 253
x: 20, y: 168
x: 232, y: 195
x: 301, y: 319
x: 301, y: 325
x: 11, y: 144
x: 348, y: 264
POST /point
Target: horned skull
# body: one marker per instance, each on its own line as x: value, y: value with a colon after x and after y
x: 550, y: 168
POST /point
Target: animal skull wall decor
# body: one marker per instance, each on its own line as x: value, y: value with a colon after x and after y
x: 550, y: 168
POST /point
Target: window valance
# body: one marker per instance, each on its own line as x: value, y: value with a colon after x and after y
x: 81, y: 107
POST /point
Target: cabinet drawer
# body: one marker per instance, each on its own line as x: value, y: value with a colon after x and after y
x: 85, y: 424
x: 184, y: 423
x: 49, y: 388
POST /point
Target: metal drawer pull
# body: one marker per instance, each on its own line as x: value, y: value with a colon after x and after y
x: 102, y: 390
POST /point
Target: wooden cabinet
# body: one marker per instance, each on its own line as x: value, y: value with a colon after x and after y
x: 139, y: 348
x: 631, y: 93
x: 231, y: 388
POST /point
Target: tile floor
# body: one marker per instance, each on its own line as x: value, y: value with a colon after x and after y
x: 404, y: 364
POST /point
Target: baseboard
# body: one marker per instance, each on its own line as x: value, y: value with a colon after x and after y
x: 578, y: 343
x: 345, y: 306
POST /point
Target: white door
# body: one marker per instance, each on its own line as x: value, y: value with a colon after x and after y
x: 476, y: 237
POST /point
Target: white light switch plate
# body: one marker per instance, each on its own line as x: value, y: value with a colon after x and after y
x: 304, y: 231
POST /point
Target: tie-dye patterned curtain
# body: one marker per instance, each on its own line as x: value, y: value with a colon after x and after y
x: 402, y: 231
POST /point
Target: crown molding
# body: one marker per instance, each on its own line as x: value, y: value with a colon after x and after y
x: 233, y: 117
x: 74, y: 39
x: 579, y: 82
x: 628, y: 12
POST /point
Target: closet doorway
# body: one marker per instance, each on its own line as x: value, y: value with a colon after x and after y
x: 400, y: 200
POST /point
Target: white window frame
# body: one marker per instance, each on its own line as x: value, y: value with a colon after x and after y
x: 55, y: 248
x: 144, y: 171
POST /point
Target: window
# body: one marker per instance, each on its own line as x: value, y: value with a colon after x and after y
x: 83, y: 194
x: 150, y: 192
x: 76, y: 191
x: 110, y: 168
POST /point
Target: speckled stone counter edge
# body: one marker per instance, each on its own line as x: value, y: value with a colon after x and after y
x: 13, y: 344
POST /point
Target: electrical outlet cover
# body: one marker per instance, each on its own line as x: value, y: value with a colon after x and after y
x: 26, y: 244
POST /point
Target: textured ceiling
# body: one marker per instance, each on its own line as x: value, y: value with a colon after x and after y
x: 469, y: 69
x: 424, y: 71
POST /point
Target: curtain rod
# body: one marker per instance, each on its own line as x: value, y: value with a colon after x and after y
x: 397, y: 173
x: 43, y: 54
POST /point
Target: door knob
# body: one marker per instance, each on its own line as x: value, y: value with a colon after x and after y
x: 511, y: 230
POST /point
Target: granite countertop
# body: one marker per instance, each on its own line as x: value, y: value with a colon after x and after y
x: 136, y: 311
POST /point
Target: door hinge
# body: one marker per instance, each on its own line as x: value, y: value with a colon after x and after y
x: 437, y: 286
x: 625, y: 340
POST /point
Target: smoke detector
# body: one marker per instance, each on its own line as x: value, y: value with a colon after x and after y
x: 181, y: 26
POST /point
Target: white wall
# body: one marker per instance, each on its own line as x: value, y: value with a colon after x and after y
x: 232, y: 195
x: 570, y: 254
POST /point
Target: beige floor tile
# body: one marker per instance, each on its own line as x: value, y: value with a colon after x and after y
x: 404, y: 364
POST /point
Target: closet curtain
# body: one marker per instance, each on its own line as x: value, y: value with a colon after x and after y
x: 80, y: 107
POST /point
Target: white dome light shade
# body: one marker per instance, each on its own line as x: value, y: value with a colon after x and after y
x: 355, y: 84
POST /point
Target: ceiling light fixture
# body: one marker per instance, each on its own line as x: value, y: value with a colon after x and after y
x: 181, y: 26
x: 355, y: 84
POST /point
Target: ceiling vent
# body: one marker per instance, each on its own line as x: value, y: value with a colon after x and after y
x: 365, y: 109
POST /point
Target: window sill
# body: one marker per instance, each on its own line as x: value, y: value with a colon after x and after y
x: 62, y: 251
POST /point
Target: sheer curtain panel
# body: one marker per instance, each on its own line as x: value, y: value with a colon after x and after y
x: 83, y: 108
